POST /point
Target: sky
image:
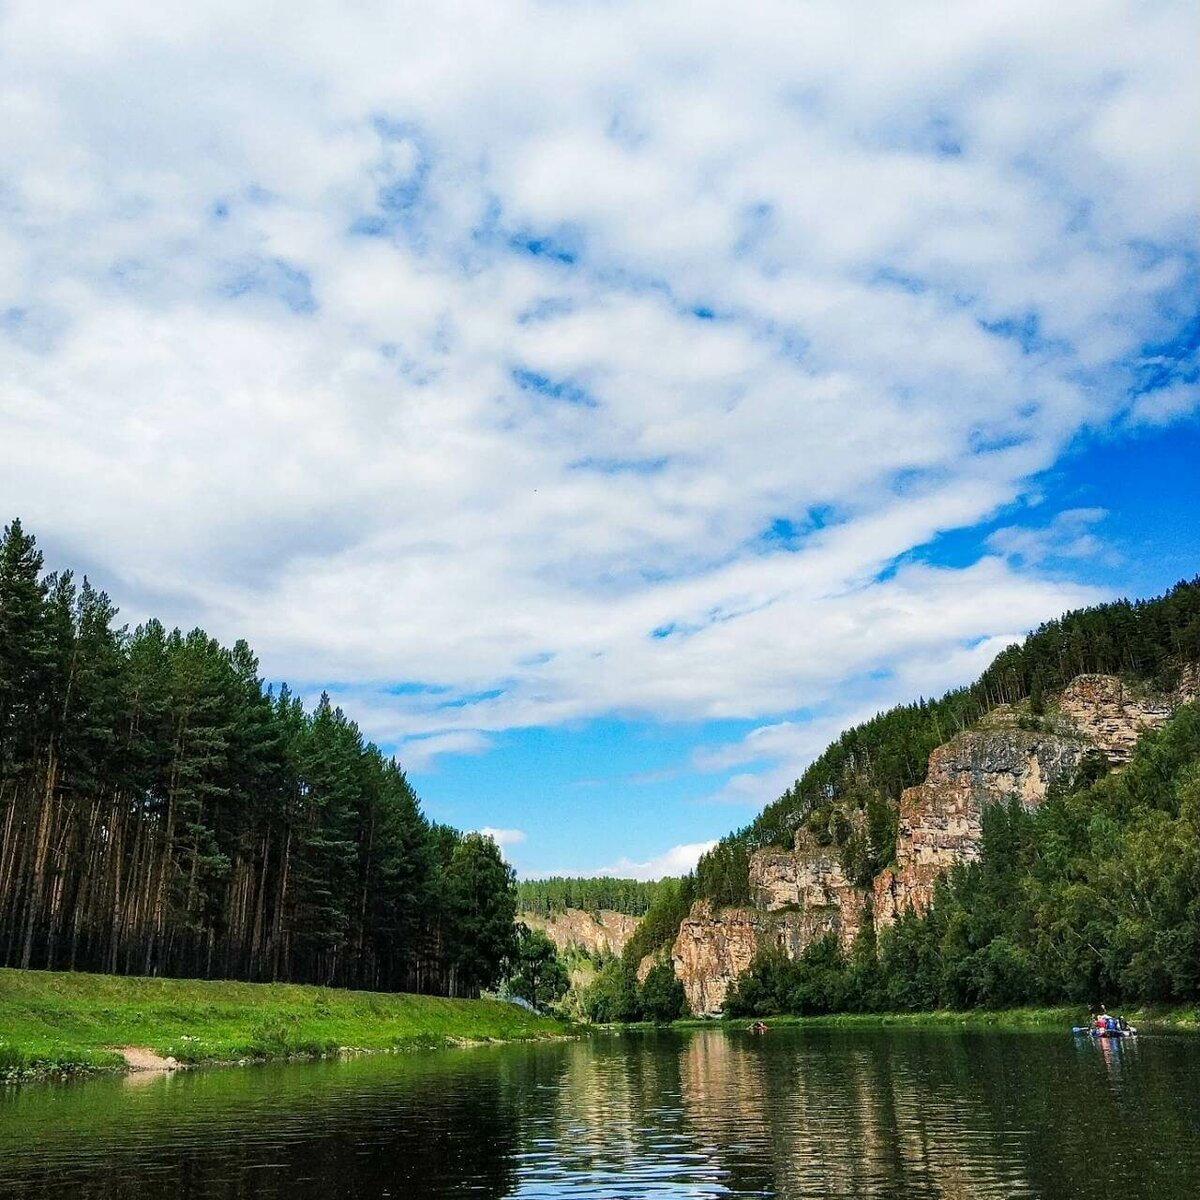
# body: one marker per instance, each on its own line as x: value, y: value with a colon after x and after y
x: 606, y: 403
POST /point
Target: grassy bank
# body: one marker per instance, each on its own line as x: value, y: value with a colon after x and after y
x: 52, y: 1022
x: 1150, y: 1019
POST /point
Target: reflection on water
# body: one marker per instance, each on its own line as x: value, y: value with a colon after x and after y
x: 794, y: 1114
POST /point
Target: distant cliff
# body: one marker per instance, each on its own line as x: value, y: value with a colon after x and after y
x: 603, y: 932
x: 800, y: 894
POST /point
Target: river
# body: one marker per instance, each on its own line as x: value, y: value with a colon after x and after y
x: 793, y: 1113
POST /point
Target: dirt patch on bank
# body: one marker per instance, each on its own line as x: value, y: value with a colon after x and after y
x: 141, y: 1059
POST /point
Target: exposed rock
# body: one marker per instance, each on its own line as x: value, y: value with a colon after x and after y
x: 648, y: 963
x: 941, y: 820
x: 140, y: 1058
x: 807, y: 876
x: 1113, y: 717
x: 714, y: 946
x: 573, y: 926
x: 801, y: 894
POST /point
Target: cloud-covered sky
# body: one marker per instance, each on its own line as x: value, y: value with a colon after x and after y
x: 604, y: 401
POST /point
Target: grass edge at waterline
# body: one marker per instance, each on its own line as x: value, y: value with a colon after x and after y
x: 1146, y: 1018
x: 56, y: 1022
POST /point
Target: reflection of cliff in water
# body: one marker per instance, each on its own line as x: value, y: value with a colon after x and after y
x: 878, y: 1115
x: 619, y: 1127
x: 932, y: 1114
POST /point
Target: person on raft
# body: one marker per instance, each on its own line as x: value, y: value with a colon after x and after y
x: 1107, y: 1024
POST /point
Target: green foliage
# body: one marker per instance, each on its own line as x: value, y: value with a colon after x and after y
x: 634, y: 897
x: 848, y: 797
x: 660, y: 925
x: 1094, y: 898
x: 662, y: 997
x: 817, y: 982
x: 615, y: 995
x: 163, y: 812
x: 612, y: 995
x: 58, y: 1021
x: 537, y: 973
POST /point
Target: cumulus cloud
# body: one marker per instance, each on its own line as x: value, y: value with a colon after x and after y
x: 556, y: 360
x: 679, y: 860
x: 1068, y: 535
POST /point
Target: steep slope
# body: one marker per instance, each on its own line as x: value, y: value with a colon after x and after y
x: 605, y: 932
x: 804, y: 893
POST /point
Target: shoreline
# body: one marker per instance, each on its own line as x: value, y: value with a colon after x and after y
x: 62, y: 1024
x: 1166, y: 1018
x: 1177, y: 1018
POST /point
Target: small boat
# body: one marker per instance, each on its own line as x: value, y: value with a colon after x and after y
x: 1092, y: 1031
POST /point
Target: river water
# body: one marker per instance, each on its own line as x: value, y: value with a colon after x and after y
x: 713, y: 1113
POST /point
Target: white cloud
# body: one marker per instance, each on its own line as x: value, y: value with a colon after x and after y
x: 1068, y: 535
x: 280, y: 358
x: 1166, y: 404
x: 503, y: 837
x: 421, y: 753
x: 679, y: 860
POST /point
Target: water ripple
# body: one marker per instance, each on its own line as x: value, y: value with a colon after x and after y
x: 713, y: 1114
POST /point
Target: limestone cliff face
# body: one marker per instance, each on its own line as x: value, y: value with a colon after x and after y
x: 713, y: 947
x: 941, y: 820
x: 572, y: 926
x: 808, y: 877
x: 1112, y: 718
x: 799, y: 895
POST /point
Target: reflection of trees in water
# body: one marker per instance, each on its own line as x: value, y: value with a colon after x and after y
x: 796, y: 1113
x: 931, y: 1114
x: 853, y: 1116
x: 618, y: 1120
x: 348, y: 1130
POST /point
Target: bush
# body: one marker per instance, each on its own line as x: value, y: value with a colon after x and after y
x: 612, y: 995
x: 662, y: 997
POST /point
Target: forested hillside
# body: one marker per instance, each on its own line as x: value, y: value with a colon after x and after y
x: 558, y: 893
x: 868, y: 767
x: 848, y: 796
x: 1094, y: 898
x: 162, y: 812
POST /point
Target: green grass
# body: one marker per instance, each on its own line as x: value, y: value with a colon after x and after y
x: 58, y: 1022
x: 1161, y: 1018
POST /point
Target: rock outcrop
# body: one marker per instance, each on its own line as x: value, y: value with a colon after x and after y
x: 605, y: 931
x: 941, y: 820
x: 800, y: 895
x: 809, y: 878
x: 1112, y: 717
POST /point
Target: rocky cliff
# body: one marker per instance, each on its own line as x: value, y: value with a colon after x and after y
x: 800, y: 895
x: 605, y: 931
x: 714, y: 946
x: 941, y: 820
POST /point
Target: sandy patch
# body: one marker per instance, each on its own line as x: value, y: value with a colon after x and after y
x: 141, y: 1059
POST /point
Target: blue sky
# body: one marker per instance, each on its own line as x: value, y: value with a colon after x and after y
x: 616, y: 786
x: 606, y: 402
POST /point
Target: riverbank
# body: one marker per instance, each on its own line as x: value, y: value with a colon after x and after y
x: 1162, y: 1018
x: 54, y: 1023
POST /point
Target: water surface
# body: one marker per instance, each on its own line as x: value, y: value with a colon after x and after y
x: 795, y: 1113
